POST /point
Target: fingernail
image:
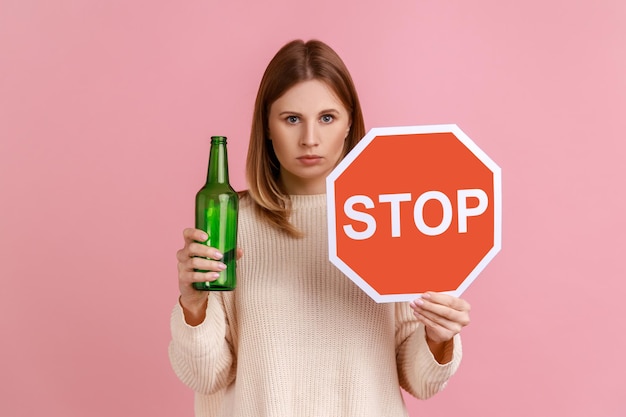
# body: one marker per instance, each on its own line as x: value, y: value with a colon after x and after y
x: 426, y: 295
x: 217, y: 255
x: 419, y: 302
x: 204, y: 236
x: 221, y: 266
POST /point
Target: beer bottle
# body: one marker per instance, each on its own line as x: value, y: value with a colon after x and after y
x: 217, y: 206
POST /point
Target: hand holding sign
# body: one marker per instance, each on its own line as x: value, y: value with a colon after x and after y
x: 423, y: 201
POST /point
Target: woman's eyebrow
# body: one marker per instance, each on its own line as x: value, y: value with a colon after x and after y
x: 295, y: 113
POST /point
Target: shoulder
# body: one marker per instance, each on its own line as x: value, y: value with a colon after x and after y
x: 248, y: 208
x: 246, y: 202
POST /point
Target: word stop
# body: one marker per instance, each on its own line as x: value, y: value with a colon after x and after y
x: 394, y: 201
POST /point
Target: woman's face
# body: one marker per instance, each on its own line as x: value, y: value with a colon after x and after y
x: 308, y: 125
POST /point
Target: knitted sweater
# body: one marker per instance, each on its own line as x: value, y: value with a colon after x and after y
x: 298, y: 338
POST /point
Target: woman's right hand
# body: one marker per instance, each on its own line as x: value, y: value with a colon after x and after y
x: 193, y: 256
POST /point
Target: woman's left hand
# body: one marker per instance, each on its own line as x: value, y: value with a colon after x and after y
x: 442, y: 315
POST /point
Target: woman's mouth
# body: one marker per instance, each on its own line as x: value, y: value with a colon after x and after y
x: 309, y: 159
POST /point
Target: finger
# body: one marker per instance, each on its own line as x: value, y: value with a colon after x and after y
x: 443, y: 323
x: 191, y: 235
x: 191, y: 250
x: 434, y: 312
x: 203, y: 264
x: 434, y: 331
x: 442, y: 314
x: 239, y: 253
x: 181, y: 255
x: 191, y: 277
x: 198, y: 249
x: 428, y: 322
x: 438, y: 310
x: 448, y: 300
x: 442, y: 308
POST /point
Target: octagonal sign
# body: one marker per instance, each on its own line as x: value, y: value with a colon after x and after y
x: 414, y: 209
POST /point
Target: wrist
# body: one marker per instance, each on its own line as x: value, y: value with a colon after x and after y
x: 194, y: 308
x: 441, y: 350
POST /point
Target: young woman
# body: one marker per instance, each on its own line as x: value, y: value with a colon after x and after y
x: 297, y: 337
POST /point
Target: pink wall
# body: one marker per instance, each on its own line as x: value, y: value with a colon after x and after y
x: 105, y: 112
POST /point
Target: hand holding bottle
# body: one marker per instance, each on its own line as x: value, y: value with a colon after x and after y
x: 192, y: 257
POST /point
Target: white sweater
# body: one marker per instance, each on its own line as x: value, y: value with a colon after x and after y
x: 298, y: 338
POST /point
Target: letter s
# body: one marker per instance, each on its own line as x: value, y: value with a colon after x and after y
x: 359, y: 216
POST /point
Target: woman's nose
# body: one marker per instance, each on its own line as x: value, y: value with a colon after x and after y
x: 309, y: 135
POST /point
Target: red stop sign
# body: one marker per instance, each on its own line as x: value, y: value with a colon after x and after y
x: 414, y: 209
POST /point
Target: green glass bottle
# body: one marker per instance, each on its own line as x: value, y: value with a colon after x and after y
x: 217, y: 208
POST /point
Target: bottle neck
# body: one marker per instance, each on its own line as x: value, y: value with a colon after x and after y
x: 218, y: 162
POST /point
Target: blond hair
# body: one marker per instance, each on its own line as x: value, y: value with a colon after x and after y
x: 295, y: 62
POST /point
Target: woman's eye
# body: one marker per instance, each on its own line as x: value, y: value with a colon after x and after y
x: 327, y: 118
x: 292, y: 119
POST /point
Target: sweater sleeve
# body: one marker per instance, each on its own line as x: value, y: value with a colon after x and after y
x: 419, y: 372
x: 202, y: 355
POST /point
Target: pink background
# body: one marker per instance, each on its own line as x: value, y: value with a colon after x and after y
x: 105, y: 112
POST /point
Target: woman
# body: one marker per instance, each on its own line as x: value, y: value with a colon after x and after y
x: 297, y: 337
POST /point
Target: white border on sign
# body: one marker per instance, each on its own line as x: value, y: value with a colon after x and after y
x: 409, y: 130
